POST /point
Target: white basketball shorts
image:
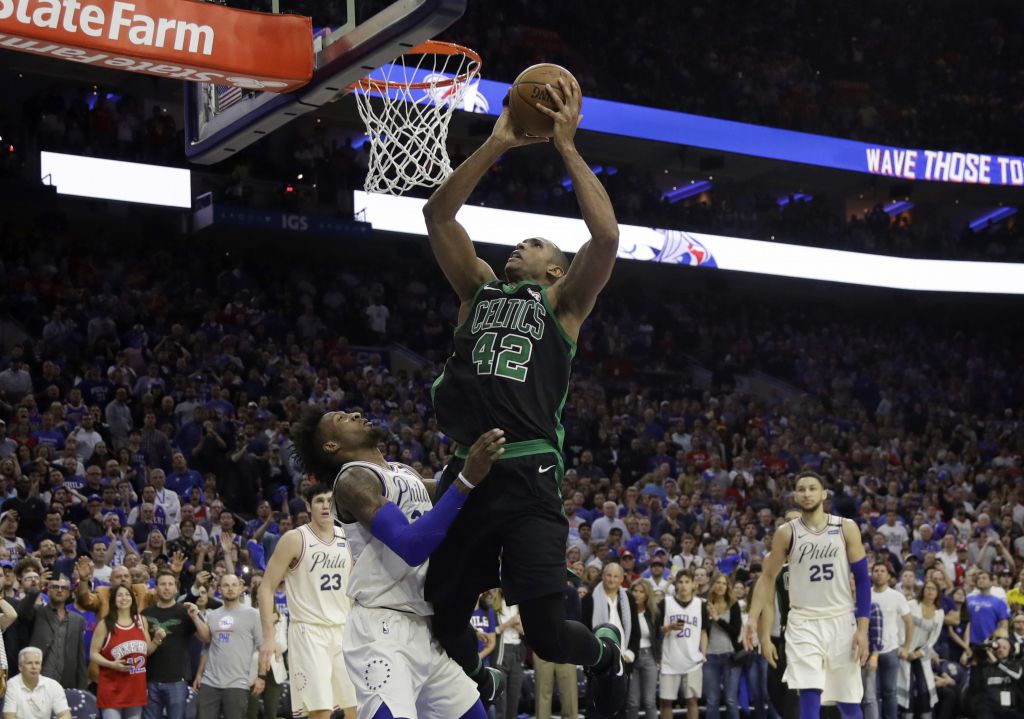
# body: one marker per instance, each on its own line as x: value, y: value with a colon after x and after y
x: 393, y: 659
x: 316, y: 669
x: 819, y: 655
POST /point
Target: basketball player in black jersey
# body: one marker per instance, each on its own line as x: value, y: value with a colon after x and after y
x: 510, y: 369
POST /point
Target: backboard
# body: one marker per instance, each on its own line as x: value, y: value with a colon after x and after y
x: 365, y: 34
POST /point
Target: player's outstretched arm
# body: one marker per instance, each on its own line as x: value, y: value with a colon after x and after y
x: 357, y: 493
x: 288, y: 549
x: 576, y: 293
x: 764, y: 594
x: 449, y: 240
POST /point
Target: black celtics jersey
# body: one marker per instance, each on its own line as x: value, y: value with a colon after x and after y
x: 509, y: 370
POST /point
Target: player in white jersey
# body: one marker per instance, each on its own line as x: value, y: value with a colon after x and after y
x: 684, y: 648
x: 826, y: 630
x: 394, y: 521
x: 314, y: 560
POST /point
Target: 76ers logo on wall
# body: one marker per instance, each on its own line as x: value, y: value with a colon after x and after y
x: 682, y: 248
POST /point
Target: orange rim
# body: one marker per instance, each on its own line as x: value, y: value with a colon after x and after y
x: 430, y: 47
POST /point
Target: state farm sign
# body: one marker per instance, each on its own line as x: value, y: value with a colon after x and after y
x: 169, y: 38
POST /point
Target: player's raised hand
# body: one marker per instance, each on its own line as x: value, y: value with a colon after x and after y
x: 484, y: 453
x: 567, y: 117
x: 509, y: 135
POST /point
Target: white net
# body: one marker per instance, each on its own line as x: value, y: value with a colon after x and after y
x: 407, y: 106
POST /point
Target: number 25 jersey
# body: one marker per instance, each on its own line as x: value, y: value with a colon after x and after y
x: 509, y: 369
x: 819, y: 571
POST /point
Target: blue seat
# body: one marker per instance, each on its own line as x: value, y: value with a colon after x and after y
x: 82, y: 704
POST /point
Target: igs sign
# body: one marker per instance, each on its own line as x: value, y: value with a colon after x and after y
x: 177, y: 39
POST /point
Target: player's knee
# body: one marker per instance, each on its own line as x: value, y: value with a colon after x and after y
x: 550, y: 647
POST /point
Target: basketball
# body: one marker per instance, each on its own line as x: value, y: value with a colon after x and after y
x: 529, y: 89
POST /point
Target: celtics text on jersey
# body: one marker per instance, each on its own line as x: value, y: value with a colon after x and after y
x: 510, y: 368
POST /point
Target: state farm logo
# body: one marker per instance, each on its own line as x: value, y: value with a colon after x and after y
x: 121, y: 22
x: 195, y: 41
x: 128, y: 64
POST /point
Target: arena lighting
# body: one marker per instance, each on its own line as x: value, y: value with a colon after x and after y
x: 596, y: 169
x: 795, y: 197
x: 900, y: 207
x: 691, y: 190
x: 711, y: 133
x: 116, y: 180
x: 991, y: 218
x: 505, y: 227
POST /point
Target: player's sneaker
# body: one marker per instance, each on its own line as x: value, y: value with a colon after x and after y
x: 608, y: 687
x: 491, y: 683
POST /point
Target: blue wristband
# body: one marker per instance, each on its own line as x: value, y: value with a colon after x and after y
x: 862, y: 580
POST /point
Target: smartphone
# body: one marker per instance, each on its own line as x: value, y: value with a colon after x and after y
x: 147, y: 557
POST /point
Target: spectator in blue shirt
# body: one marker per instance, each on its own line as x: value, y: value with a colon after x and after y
x: 47, y: 434
x: 485, y: 624
x: 637, y: 544
x: 181, y: 479
x: 926, y: 543
x: 988, y: 612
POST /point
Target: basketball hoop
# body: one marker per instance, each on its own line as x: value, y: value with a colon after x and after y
x: 407, y: 107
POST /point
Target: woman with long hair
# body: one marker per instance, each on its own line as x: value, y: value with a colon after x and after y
x: 120, y: 646
x: 643, y: 685
x: 721, y: 678
x: 915, y: 687
x: 959, y: 634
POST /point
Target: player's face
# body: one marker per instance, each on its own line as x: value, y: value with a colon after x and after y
x: 320, y: 509
x: 529, y: 260
x: 809, y: 494
x: 342, y: 431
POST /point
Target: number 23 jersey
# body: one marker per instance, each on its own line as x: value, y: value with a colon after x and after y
x: 380, y: 578
x: 509, y: 368
x: 317, y: 582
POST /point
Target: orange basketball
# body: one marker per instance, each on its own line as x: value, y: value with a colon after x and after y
x: 529, y: 89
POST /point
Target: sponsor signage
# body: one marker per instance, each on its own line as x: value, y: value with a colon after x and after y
x: 116, y: 180
x: 178, y: 39
x: 272, y: 221
x: 648, y: 123
x: 715, y: 252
